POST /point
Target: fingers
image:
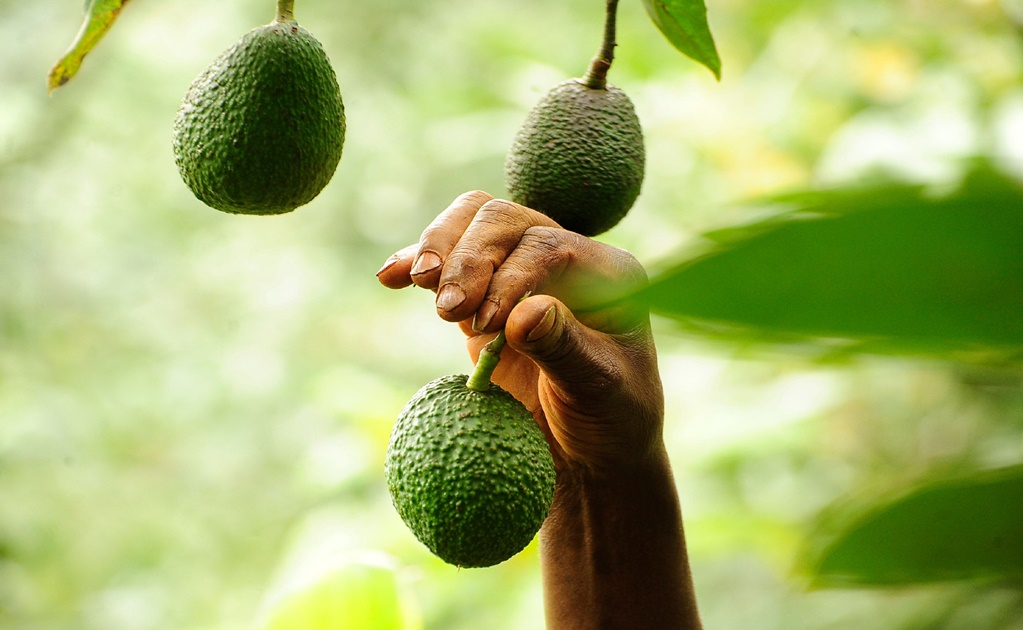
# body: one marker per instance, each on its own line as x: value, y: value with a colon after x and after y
x: 421, y: 262
x: 583, y: 274
x: 396, y: 272
x: 577, y: 358
x: 600, y: 392
x: 440, y: 237
x: 482, y: 255
x: 497, y: 232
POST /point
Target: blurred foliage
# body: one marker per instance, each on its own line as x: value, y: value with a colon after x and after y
x: 881, y: 268
x: 195, y: 406
x: 965, y: 527
x: 361, y: 594
x: 99, y: 17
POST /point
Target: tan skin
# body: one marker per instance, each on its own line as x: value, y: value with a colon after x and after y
x: 612, y: 549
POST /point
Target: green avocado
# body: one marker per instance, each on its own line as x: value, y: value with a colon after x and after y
x: 579, y: 157
x: 260, y: 131
x: 469, y: 472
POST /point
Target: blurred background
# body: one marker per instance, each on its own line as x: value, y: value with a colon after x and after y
x: 194, y: 406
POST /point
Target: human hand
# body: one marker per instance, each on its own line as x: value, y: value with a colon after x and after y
x: 581, y: 361
x: 612, y: 548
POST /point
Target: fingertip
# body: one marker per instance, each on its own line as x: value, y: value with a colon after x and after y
x: 497, y: 207
x: 396, y: 270
x: 577, y: 360
x: 450, y: 297
x: 425, y: 271
x: 532, y: 321
x: 545, y: 326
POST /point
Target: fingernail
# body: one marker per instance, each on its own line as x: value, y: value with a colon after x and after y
x: 484, y: 315
x: 388, y: 264
x: 427, y: 261
x: 450, y: 297
x: 544, y: 327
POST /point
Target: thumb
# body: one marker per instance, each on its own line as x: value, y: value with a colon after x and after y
x: 578, y: 360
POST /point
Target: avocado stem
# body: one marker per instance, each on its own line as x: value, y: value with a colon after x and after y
x: 285, y: 11
x: 596, y: 76
x: 479, y: 380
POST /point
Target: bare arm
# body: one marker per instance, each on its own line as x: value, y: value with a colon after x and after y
x: 612, y: 549
x: 614, y: 555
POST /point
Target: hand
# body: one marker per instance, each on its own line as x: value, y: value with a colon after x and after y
x: 612, y: 548
x: 582, y: 363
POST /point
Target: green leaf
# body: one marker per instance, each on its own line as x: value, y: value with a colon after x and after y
x: 99, y: 17
x: 889, y: 269
x: 358, y: 595
x: 959, y: 528
x: 684, y: 23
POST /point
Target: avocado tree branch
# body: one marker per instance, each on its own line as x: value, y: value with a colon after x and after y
x: 285, y: 10
x: 596, y: 76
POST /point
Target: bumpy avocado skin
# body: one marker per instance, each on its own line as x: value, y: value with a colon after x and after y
x: 260, y: 131
x: 469, y: 472
x: 579, y: 157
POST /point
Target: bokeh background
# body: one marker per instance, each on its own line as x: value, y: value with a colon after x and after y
x: 194, y: 407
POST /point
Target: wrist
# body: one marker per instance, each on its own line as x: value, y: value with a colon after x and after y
x: 613, y: 545
x: 610, y: 483
x: 617, y: 431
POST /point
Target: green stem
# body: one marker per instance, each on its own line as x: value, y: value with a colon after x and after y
x: 479, y: 380
x: 285, y: 11
x: 596, y: 76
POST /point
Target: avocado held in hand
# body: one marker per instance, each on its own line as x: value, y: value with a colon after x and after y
x: 469, y: 472
x: 260, y: 131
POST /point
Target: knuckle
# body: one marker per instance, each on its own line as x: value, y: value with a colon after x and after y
x: 543, y: 248
x: 548, y: 236
x: 474, y: 196
x: 462, y: 264
x: 502, y: 205
x: 544, y: 240
x: 498, y: 211
x: 629, y: 269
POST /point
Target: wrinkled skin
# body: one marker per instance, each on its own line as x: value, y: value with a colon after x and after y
x: 612, y: 548
x: 579, y: 367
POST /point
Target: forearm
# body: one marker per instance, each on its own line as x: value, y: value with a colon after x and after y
x: 614, y: 553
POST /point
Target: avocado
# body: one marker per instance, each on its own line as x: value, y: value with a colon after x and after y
x: 469, y: 472
x: 260, y: 131
x: 579, y: 157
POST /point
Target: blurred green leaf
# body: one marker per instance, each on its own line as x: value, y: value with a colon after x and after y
x: 361, y: 596
x: 99, y: 17
x: 967, y: 527
x: 890, y: 269
x: 684, y: 23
